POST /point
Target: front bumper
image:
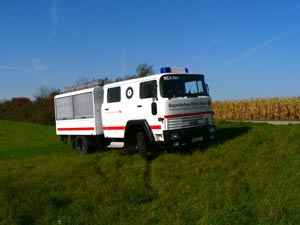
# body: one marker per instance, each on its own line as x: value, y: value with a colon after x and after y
x: 187, y: 136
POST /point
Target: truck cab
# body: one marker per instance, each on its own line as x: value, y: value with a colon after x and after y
x: 172, y: 108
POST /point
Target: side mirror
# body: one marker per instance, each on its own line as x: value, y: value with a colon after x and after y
x: 154, y: 108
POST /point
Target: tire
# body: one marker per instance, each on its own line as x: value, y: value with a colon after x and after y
x: 81, y: 144
x: 141, y: 144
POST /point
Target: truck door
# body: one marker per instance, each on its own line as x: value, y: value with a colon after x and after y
x: 111, y: 113
x: 147, y: 107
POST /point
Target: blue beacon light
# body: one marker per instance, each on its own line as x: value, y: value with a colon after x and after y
x: 174, y: 70
x: 165, y: 70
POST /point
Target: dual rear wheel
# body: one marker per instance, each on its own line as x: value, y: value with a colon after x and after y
x: 81, y: 144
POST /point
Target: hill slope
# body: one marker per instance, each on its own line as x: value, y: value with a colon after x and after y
x: 249, y: 176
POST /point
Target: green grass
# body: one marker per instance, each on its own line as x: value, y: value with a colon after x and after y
x: 249, y: 176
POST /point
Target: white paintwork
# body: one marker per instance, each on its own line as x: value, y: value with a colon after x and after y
x: 110, y: 119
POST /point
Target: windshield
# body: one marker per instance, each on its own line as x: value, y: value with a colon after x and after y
x: 182, y: 86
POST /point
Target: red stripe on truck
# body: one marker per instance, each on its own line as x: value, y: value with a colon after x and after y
x: 76, y: 129
x: 114, y: 128
x: 153, y: 127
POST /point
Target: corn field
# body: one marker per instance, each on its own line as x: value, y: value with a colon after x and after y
x: 258, y: 109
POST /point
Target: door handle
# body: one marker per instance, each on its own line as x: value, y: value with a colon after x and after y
x: 139, y: 106
x: 107, y: 109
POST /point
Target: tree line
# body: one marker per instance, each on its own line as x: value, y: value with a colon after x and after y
x: 41, y: 109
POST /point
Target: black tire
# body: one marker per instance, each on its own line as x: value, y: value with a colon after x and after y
x: 141, y: 144
x: 81, y: 144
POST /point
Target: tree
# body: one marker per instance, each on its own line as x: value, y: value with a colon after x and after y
x: 44, y: 105
x: 45, y: 92
x: 19, y: 109
x: 144, y: 70
x: 4, y: 109
x: 107, y: 80
x: 81, y: 80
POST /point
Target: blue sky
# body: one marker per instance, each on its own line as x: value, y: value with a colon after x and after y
x: 246, y: 49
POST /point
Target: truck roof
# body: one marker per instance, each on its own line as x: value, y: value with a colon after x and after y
x: 147, y: 78
x: 77, y: 92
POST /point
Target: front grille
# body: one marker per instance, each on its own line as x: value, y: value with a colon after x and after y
x: 187, y: 122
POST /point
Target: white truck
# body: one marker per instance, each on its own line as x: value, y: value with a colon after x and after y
x: 172, y: 108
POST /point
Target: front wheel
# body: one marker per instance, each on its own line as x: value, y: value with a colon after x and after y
x: 141, y: 144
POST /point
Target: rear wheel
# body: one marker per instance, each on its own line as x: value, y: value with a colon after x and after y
x: 81, y: 144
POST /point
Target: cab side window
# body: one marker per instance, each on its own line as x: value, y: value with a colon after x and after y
x: 148, y: 89
x: 114, y: 94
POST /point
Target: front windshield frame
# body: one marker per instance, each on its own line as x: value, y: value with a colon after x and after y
x: 182, y: 85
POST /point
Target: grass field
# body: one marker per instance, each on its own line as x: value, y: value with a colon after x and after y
x: 250, y: 175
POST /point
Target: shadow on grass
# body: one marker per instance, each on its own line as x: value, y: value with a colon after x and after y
x: 222, y: 135
x: 152, y: 153
x: 229, y: 133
